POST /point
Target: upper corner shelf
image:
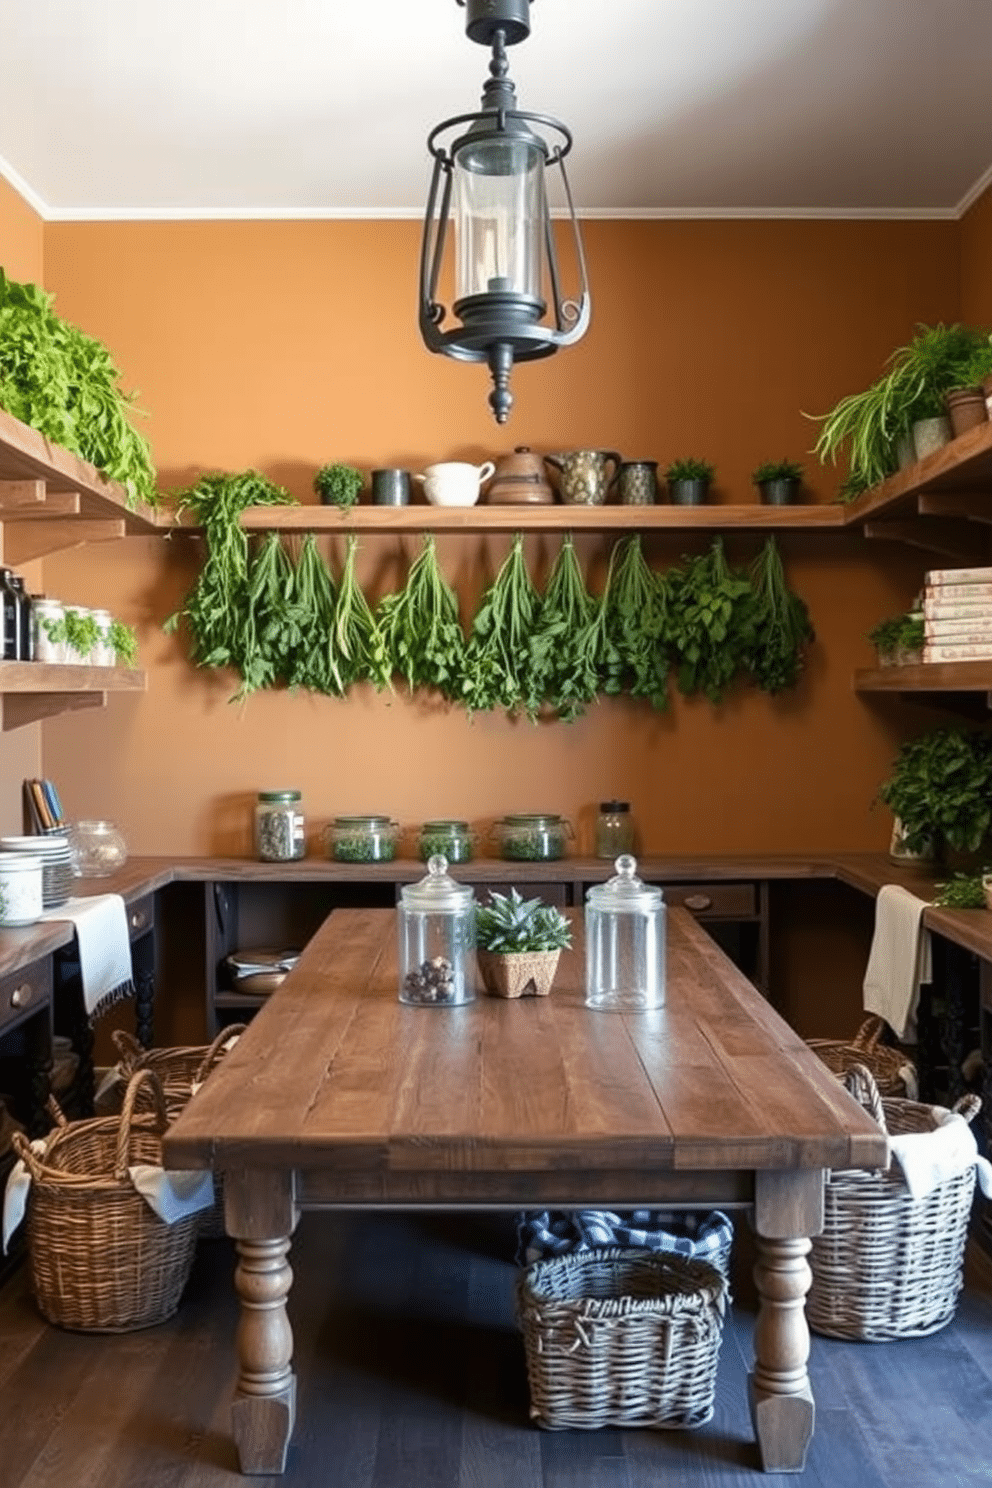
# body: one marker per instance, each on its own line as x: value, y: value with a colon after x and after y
x: 42, y: 484
x: 955, y: 480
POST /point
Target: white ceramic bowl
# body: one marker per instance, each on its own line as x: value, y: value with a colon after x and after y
x: 455, y: 482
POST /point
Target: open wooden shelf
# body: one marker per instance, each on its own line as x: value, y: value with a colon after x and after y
x: 32, y: 690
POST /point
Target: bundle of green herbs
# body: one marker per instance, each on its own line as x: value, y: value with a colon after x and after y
x: 636, y: 625
x: 421, y: 628
x: 65, y: 384
x: 712, y: 624
x: 775, y: 654
x: 217, y: 610
x: 359, y: 650
x: 564, y: 674
x: 498, y: 670
x: 961, y: 891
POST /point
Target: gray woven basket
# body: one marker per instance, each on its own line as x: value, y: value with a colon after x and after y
x: 621, y: 1338
x: 887, y: 1265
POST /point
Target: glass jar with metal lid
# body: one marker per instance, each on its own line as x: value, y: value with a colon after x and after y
x: 533, y: 837
x: 625, y: 943
x: 362, y: 839
x: 280, y: 834
x: 436, y: 927
x: 452, y: 838
x: 614, y: 829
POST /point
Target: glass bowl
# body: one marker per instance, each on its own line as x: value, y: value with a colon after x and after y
x: 98, y: 849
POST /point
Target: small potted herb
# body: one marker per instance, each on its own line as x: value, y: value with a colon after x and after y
x: 778, y: 481
x: 899, y: 640
x: 689, y: 480
x: 338, y: 485
x: 518, y: 944
x: 124, y: 643
x: 940, y: 792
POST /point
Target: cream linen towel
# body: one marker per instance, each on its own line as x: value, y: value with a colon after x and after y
x: 930, y: 1158
x: 105, y: 967
x: 899, y: 960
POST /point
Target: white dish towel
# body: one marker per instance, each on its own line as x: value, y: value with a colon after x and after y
x: 105, y: 966
x: 930, y: 1158
x: 899, y: 960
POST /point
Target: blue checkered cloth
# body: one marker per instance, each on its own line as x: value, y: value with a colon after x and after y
x: 545, y: 1233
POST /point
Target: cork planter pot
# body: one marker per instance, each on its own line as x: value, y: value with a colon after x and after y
x: 518, y: 973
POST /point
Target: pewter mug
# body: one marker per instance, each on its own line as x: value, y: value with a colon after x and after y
x: 638, y: 482
x: 583, y: 478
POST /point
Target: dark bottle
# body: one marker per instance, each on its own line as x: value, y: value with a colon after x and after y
x: 25, y: 622
x: 11, y: 616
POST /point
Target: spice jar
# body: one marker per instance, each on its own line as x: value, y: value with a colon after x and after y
x: 625, y: 943
x: 451, y: 838
x: 533, y: 838
x: 614, y: 829
x: 436, y: 927
x: 363, y: 839
x: 279, y: 829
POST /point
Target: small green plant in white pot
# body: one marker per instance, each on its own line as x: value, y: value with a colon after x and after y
x: 899, y: 640
x: 518, y: 943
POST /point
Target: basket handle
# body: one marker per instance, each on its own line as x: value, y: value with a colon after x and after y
x: 27, y: 1154
x: 210, y: 1058
x: 139, y: 1079
x: 127, y: 1046
x: 55, y: 1111
x: 867, y: 1038
x: 968, y: 1107
x: 861, y: 1083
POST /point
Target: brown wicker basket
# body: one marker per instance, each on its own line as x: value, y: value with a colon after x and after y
x: 619, y: 1337
x: 894, y: 1071
x: 101, y: 1259
x: 179, y: 1069
x: 888, y: 1265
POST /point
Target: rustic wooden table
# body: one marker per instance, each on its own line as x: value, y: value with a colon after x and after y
x: 340, y: 1095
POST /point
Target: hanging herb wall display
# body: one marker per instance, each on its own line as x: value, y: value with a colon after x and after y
x: 358, y: 649
x: 637, y: 622
x: 314, y: 665
x: 273, y: 631
x: 711, y: 622
x: 217, y: 608
x: 498, y: 667
x: 564, y: 674
x: 65, y: 384
x: 421, y: 628
x: 782, y: 628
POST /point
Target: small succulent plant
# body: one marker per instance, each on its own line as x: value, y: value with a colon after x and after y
x: 509, y: 923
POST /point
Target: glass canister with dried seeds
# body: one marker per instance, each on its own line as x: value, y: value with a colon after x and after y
x: 280, y: 832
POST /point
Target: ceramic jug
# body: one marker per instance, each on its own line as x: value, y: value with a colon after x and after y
x: 583, y: 478
x: 454, y: 482
x: 519, y: 479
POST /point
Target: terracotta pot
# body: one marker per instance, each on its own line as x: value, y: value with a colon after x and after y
x: 518, y: 973
x: 966, y: 408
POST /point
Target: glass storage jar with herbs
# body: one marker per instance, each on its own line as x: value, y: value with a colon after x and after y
x: 533, y: 837
x: 436, y: 927
x: 280, y: 834
x: 452, y: 838
x: 362, y: 839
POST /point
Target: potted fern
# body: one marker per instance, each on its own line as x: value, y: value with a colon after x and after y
x: 778, y: 481
x: 689, y: 480
x: 518, y: 943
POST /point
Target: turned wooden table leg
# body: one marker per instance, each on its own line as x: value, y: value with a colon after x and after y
x: 788, y: 1208
x: 264, y: 1406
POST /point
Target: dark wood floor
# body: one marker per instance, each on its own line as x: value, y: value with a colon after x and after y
x: 411, y: 1375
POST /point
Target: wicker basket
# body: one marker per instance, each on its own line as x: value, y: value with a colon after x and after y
x: 894, y: 1072
x: 101, y: 1259
x: 888, y: 1265
x: 619, y: 1337
x: 179, y: 1069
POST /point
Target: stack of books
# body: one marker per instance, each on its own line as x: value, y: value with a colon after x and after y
x: 957, y: 615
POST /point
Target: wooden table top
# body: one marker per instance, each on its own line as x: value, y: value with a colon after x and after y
x: 505, y: 1100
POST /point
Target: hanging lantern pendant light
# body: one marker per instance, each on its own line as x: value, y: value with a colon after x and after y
x: 491, y: 181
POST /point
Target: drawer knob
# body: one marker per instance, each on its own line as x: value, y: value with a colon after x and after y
x: 698, y: 901
x: 21, y: 996
x: 137, y: 919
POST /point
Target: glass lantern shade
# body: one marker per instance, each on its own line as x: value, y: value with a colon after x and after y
x: 499, y: 215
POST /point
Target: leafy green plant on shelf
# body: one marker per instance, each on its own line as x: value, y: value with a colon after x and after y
x: 689, y: 469
x: 775, y: 470
x: 899, y: 636
x: 65, y: 384
x: 80, y: 632
x: 868, y: 425
x: 124, y: 643
x: 961, y: 891
x: 509, y: 923
x: 338, y: 485
x: 940, y: 790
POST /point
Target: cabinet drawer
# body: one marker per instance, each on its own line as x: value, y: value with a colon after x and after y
x: 714, y: 900
x: 24, y: 991
x: 140, y: 916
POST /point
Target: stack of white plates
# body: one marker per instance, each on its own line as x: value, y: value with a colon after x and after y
x: 56, y: 864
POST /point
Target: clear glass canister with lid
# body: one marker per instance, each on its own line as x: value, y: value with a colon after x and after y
x: 436, y: 927
x: 362, y: 839
x: 625, y: 943
x: 614, y: 829
x: 451, y: 838
x: 534, y: 837
x: 280, y: 833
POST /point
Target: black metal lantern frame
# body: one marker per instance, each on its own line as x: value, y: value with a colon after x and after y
x: 505, y: 246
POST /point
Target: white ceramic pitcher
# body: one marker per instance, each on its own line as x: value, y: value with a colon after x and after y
x: 455, y: 482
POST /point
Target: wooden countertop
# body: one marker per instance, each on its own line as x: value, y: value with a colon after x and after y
x: 866, y: 872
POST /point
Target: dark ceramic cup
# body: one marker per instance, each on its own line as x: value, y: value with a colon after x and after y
x: 390, y: 487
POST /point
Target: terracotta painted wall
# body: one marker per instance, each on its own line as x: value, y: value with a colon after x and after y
x: 22, y: 256
x: 976, y: 250
x: 281, y: 345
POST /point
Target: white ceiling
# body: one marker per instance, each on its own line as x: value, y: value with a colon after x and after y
x: 321, y: 108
